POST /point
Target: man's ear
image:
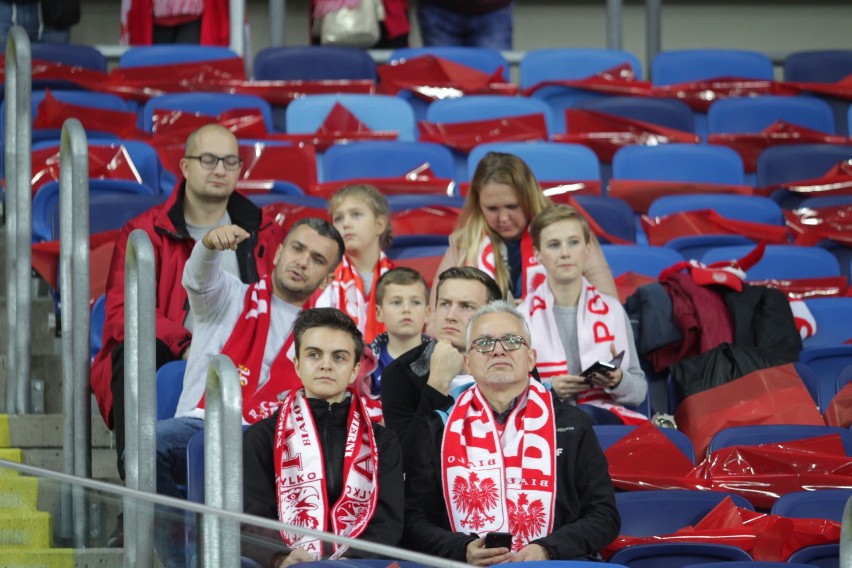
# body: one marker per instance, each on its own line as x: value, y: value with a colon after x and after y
x: 326, y: 281
x: 532, y: 357
x: 537, y: 255
x: 355, y: 371
x: 184, y: 168
x: 278, y: 252
x: 379, y: 316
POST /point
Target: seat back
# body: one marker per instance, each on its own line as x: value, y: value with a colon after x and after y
x: 377, y: 112
x: 313, y: 63
x: 694, y: 247
x: 820, y: 504
x: 539, y: 65
x: 753, y: 208
x: 844, y: 377
x: 821, y: 555
x: 147, y: 55
x: 753, y: 114
x: 425, y: 259
x: 670, y: 555
x: 780, y: 261
x: 613, y: 215
x: 97, y: 324
x: 73, y: 54
x: 648, y: 260
x: 687, y: 65
x: 664, y: 511
x: 670, y: 113
x: 780, y: 164
x: 382, y: 159
x: 169, y: 388
x: 485, y: 107
x: 482, y: 59
x: 818, y: 66
x: 210, y: 104
x: 832, y: 317
x: 548, y: 161
x: 703, y: 163
x: 774, y: 434
x: 610, y: 434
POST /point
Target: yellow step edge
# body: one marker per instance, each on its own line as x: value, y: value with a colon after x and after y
x: 37, y: 558
x: 5, y: 440
x: 28, y: 529
x: 10, y: 454
x: 17, y: 492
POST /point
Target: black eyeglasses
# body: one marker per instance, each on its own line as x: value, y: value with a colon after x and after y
x: 210, y: 161
x: 487, y: 344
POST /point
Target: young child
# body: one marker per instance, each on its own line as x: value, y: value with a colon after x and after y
x: 360, y: 214
x: 401, y: 296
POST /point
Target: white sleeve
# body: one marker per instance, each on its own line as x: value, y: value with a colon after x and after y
x: 207, y: 285
x: 633, y: 386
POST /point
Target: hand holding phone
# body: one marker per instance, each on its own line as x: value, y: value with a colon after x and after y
x: 602, y: 368
x: 498, y: 540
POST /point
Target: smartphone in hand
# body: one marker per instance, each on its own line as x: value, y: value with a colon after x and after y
x: 498, y: 540
x: 602, y: 367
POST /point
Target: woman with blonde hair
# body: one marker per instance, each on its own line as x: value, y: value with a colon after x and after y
x: 492, y: 231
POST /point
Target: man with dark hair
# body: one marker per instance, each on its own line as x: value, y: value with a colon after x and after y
x: 296, y: 464
x: 419, y: 381
x: 509, y: 457
x: 251, y: 324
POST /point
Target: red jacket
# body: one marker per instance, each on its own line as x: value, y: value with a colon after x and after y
x: 172, y: 245
x: 137, y: 25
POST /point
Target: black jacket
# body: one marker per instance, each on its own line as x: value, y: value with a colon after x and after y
x: 585, y: 521
x: 259, y: 491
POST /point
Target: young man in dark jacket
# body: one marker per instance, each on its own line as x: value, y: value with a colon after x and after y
x: 204, y: 199
x: 507, y: 457
x: 297, y: 467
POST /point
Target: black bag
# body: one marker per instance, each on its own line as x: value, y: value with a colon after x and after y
x: 60, y: 14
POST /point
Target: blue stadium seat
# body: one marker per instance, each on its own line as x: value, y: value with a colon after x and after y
x: 832, y: 318
x: 640, y: 259
x: 169, y: 387
x: 97, y: 324
x: 74, y: 54
x: 261, y: 199
x: 844, y: 377
x: 147, y: 55
x: 774, y: 434
x: 820, y: 555
x: 688, y: 65
x: 614, y: 215
x: 694, y: 247
x: 670, y: 555
x: 679, y: 162
x: 780, y: 261
x: 748, y: 564
x: 826, y: 362
x: 548, y: 161
x: 382, y: 159
x: 664, y: 511
x: 539, y: 65
x: 210, y: 104
x: 378, y: 112
x: 754, y: 114
x: 812, y: 382
x: 819, y: 504
x: 670, y: 113
x: 778, y: 165
x: 822, y: 66
x: 610, y: 434
x: 752, y: 208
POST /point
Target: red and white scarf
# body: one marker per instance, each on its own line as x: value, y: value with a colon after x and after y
x: 600, y: 323
x: 346, y: 293
x: 300, y: 475
x: 246, y: 346
x: 497, y: 481
x: 532, y: 273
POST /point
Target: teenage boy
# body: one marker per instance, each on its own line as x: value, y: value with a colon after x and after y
x: 401, y: 299
x: 297, y: 466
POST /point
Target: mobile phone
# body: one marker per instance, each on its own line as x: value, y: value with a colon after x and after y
x: 498, y: 540
x: 603, y: 367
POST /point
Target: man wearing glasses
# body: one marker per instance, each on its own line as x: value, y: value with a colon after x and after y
x: 203, y: 200
x: 508, y: 457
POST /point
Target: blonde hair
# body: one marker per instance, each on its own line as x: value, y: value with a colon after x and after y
x: 554, y: 214
x: 374, y: 200
x: 496, y: 167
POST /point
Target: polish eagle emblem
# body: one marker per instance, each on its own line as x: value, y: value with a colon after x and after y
x: 475, y: 500
x: 302, y: 506
x: 525, y: 520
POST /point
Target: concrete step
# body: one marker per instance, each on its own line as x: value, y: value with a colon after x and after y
x: 46, y: 368
x: 43, y: 326
x: 103, y: 461
x: 18, y: 493
x: 46, y: 431
x: 26, y: 529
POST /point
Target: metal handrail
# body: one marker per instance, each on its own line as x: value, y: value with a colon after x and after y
x: 653, y: 30
x: 223, y: 475
x: 140, y: 397
x: 614, y: 24
x: 74, y: 292
x: 846, y: 536
x: 19, y: 219
x: 236, y: 21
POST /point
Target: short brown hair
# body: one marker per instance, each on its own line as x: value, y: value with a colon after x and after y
x: 492, y: 290
x: 401, y: 276
x: 331, y: 318
x: 554, y: 214
x: 374, y: 200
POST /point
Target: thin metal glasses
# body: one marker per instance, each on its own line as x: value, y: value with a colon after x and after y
x: 210, y: 161
x: 509, y: 342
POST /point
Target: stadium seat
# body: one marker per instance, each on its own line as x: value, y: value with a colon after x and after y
x: 385, y: 160
x: 679, y: 162
x: 424, y: 259
x: 210, y: 104
x: 483, y: 59
x: 169, y: 387
x: 688, y: 65
x: 774, y: 434
x: 779, y: 165
x: 664, y: 511
x: 97, y: 324
x: 261, y: 199
x: 378, y: 112
x: 832, y: 320
x: 538, y: 65
x: 148, y: 55
x: 752, y: 208
x: 819, y: 504
x: 610, y: 434
x: 311, y: 63
x: 694, y: 247
x: 826, y: 362
x: 754, y: 114
x: 780, y: 261
x: 73, y: 54
x: 111, y: 204
x: 822, y: 66
x: 812, y: 382
x: 670, y: 113
x: 670, y: 555
x: 826, y: 201
x: 748, y: 564
x: 640, y: 259
x: 613, y: 215
x: 844, y: 377
x: 548, y: 161
x: 820, y: 555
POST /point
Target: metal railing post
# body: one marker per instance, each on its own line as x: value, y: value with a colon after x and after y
x: 19, y: 219
x: 223, y: 475
x: 237, y: 18
x: 140, y: 397
x: 653, y: 27
x: 74, y: 294
x: 846, y: 536
x: 614, y: 22
x: 277, y: 19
